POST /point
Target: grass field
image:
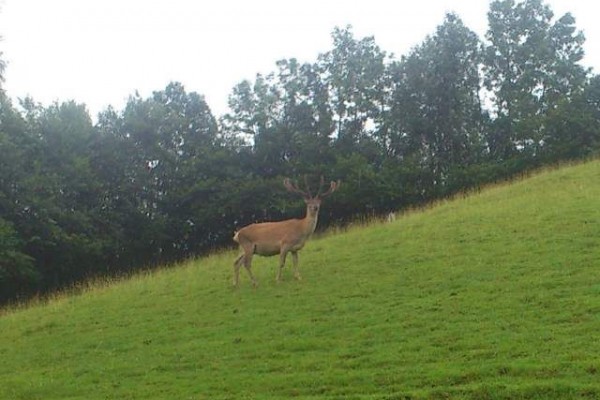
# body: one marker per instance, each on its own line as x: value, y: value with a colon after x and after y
x: 492, y: 296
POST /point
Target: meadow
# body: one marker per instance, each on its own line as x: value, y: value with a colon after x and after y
x: 490, y: 295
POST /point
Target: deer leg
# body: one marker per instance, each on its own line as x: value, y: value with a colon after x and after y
x: 248, y: 265
x: 282, y: 256
x: 236, y: 269
x: 295, y: 262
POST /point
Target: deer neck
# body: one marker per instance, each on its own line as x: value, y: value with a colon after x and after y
x: 310, y: 222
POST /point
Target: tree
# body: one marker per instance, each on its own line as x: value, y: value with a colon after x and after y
x: 306, y: 117
x: 436, y: 120
x: 356, y: 74
x: 287, y: 117
x: 531, y: 64
x: 60, y: 195
x: 2, y: 67
x: 167, y: 144
x: 17, y: 272
x: 573, y: 125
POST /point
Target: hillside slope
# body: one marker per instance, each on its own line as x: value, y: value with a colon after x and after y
x: 495, y: 295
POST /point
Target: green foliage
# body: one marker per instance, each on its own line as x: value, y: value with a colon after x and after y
x: 356, y: 76
x: 531, y: 65
x: 17, y: 273
x: 435, y: 117
x: 493, y: 295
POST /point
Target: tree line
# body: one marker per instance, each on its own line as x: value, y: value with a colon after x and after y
x: 165, y: 179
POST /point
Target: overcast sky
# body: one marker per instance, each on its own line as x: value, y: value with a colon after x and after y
x: 99, y: 52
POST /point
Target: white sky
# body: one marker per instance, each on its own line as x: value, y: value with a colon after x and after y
x: 99, y: 52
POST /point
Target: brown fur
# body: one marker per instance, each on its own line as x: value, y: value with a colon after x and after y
x: 283, y: 237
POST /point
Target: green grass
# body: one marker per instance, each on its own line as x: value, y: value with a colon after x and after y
x: 492, y: 296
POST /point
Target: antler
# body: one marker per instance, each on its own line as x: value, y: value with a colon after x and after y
x: 294, y: 189
x: 333, y: 186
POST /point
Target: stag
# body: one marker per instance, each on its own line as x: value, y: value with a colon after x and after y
x: 283, y: 237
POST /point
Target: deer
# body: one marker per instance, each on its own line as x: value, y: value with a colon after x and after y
x: 282, y: 237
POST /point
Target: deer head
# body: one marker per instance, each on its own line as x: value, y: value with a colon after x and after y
x: 312, y: 202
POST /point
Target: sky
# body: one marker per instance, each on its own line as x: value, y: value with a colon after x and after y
x: 99, y: 52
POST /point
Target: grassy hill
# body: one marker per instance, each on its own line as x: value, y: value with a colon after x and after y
x: 492, y: 296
